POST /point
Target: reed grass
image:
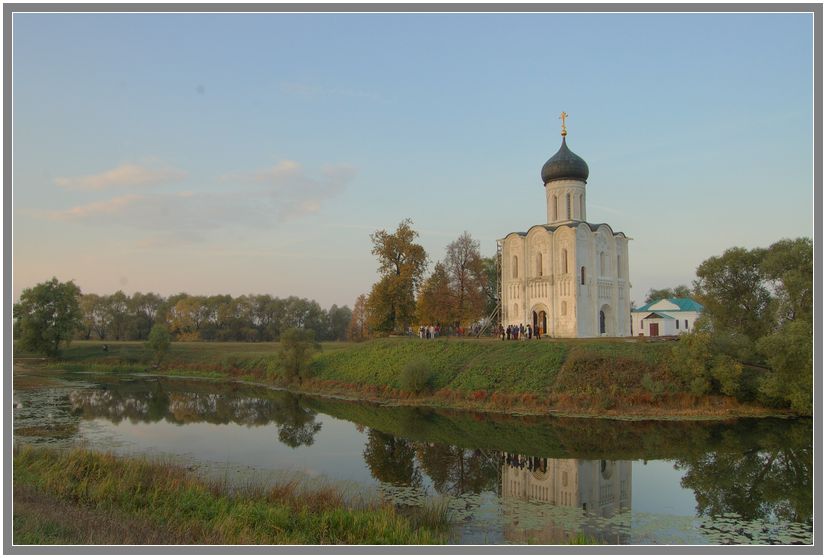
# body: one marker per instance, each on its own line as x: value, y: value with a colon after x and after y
x: 172, y: 506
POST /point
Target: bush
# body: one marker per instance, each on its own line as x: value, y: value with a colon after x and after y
x: 159, y: 342
x: 297, y: 347
x: 417, y: 376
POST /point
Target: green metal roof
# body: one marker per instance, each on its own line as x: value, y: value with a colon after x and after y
x: 685, y: 305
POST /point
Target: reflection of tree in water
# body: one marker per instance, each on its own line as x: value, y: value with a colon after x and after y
x: 775, y: 482
x: 391, y: 459
x: 456, y: 470
x: 296, y: 424
x: 153, y: 402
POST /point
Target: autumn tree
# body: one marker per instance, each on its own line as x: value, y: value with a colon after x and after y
x: 357, y: 329
x: 466, y: 273
x: 490, y: 285
x: 391, y: 304
x: 47, y: 315
x: 435, y: 302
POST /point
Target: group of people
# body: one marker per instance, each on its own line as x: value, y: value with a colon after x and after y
x: 434, y: 331
x: 429, y: 332
x: 514, y: 332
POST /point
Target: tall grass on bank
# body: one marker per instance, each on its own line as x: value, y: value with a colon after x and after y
x: 174, y: 507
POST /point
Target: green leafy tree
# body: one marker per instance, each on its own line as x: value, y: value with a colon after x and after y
x: 788, y: 267
x: 47, y: 315
x: 297, y: 347
x: 338, y: 320
x: 790, y: 355
x: 402, y: 263
x: 143, y: 310
x: 732, y: 289
x: 118, y: 306
x: 159, y: 342
x: 680, y: 291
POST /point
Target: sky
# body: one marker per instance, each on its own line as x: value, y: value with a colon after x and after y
x: 255, y: 153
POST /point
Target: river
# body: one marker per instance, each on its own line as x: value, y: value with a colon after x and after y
x: 506, y: 479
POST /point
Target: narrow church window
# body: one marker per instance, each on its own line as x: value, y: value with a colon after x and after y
x: 581, y: 208
x: 515, y: 267
x: 582, y: 275
x: 686, y: 324
x: 564, y: 260
x: 515, y: 311
x: 539, y: 264
x: 556, y: 208
x: 678, y: 324
x: 619, y: 266
x: 564, y: 308
x: 568, y: 205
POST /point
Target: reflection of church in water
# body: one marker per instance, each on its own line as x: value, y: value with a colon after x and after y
x: 599, y: 488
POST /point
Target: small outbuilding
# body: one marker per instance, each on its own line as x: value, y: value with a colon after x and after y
x: 667, y: 316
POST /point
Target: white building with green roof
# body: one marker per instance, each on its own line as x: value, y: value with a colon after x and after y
x: 667, y: 316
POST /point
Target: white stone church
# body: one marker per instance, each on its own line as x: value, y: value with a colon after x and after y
x: 566, y: 277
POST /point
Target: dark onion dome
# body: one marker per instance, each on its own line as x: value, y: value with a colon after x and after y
x: 564, y: 165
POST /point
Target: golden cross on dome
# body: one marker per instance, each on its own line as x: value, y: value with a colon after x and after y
x: 563, y: 116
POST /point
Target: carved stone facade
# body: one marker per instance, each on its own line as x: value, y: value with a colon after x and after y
x: 568, y: 277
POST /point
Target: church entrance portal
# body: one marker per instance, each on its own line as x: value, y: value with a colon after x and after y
x: 606, y: 321
x: 540, y: 322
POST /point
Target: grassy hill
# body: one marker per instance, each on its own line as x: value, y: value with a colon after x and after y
x: 586, y: 376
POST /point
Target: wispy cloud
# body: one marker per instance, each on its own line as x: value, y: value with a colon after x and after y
x: 261, y: 198
x: 125, y: 175
x: 291, y: 192
x: 108, y: 207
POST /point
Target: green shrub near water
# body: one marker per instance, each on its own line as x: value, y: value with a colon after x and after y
x: 417, y: 376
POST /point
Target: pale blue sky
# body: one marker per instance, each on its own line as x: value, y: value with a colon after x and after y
x: 254, y: 153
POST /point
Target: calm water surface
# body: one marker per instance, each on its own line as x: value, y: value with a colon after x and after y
x: 506, y: 479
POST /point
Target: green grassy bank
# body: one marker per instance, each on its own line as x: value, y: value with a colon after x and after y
x: 603, y: 377
x: 83, y: 497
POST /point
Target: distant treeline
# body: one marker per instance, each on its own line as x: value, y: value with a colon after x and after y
x: 207, y: 318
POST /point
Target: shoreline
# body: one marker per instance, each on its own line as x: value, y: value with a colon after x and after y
x: 47, y: 374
